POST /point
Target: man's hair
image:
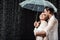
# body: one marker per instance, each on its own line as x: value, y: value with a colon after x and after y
x: 49, y: 9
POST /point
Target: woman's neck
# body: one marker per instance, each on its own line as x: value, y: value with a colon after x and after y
x: 42, y: 20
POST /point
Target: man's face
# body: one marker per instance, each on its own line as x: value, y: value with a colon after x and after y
x: 45, y: 12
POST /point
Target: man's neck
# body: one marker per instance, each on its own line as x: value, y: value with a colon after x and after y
x: 50, y: 16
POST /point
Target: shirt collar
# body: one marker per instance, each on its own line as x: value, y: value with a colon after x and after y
x: 51, y: 17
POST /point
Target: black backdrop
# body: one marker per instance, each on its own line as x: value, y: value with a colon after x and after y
x: 16, y: 23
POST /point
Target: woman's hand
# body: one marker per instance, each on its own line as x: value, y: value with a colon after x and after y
x: 36, y: 24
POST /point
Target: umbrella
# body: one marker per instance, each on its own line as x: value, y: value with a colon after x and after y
x: 49, y: 4
x: 34, y: 5
x: 37, y: 5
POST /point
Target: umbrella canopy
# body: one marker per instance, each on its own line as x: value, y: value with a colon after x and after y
x: 34, y: 5
x: 49, y: 4
x: 37, y: 5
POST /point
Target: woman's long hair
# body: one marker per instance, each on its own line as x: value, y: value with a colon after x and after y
x: 38, y: 19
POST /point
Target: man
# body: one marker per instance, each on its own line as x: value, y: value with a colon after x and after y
x: 51, y: 31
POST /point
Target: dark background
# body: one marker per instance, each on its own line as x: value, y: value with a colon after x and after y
x: 16, y: 23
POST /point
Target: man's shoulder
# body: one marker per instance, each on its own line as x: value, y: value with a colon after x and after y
x: 54, y: 19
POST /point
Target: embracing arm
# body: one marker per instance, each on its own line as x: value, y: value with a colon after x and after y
x: 50, y: 26
x: 45, y: 31
x: 42, y: 33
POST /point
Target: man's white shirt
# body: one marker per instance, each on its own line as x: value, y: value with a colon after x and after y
x: 52, y: 29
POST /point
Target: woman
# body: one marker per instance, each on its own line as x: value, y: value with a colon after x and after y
x: 40, y: 25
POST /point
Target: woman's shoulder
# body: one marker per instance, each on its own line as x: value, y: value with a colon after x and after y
x: 44, y: 23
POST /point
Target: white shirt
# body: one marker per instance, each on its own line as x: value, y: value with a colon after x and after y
x: 40, y: 28
x: 52, y: 29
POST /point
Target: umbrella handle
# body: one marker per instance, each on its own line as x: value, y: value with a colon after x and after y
x: 36, y: 17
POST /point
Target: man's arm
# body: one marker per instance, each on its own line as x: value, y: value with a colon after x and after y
x: 50, y: 26
x: 45, y: 31
x: 42, y: 33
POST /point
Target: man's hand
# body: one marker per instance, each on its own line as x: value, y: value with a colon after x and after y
x: 42, y: 33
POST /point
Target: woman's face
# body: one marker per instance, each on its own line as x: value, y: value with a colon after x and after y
x: 43, y: 16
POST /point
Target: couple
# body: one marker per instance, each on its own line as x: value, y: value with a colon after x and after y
x: 46, y: 30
